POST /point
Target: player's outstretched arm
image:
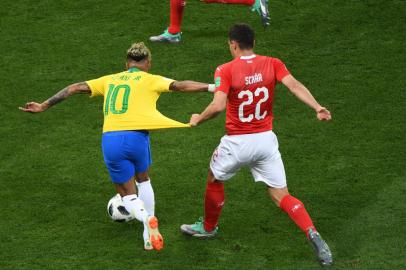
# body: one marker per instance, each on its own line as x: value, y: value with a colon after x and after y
x: 76, y: 88
x: 215, y: 107
x: 302, y: 93
x: 191, y: 86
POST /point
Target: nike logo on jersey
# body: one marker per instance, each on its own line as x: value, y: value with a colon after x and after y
x: 256, y: 78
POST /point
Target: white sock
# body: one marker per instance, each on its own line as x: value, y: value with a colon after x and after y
x: 145, y: 234
x: 146, y: 194
x: 135, y: 207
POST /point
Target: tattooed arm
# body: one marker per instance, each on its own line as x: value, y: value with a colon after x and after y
x: 76, y: 88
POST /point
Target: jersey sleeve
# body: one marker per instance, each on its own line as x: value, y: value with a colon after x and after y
x: 222, y: 79
x: 96, y: 86
x: 280, y: 69
x: 162, y: 84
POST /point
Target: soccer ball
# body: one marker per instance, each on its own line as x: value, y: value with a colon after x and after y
x: 117, y: 211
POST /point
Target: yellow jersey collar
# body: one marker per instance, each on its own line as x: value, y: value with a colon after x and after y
x: 133, y: 69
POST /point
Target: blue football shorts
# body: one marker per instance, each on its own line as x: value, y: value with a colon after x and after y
x: 126, y: 153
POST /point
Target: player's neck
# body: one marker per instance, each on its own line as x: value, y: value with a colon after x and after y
x: 244, y: 53
x: 143, y: 67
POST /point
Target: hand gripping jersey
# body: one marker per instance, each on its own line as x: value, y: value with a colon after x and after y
x: 130, y: 100
x: 249, y: 82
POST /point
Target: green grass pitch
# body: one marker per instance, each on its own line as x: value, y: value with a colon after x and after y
x: 350, y: 173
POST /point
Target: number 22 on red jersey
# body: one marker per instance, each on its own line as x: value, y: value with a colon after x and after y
x: 258, y: 114
x: 249, y: 83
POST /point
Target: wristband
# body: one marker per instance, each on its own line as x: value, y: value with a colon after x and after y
x: 211, y: 87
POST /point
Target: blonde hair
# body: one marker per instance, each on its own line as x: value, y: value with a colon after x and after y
x: 138, y: 52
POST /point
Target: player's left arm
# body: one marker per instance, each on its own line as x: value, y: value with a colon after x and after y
x: 191, y: 86
x: 215, y: 108
x: 76, y: 88
x: 302, y: 93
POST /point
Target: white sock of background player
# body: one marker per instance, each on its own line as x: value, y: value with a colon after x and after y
x: 146, y: 194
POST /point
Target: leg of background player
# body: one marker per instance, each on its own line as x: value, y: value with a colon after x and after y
x: 177, y: 7
x: 172, y: 34
x: 260, y: 6
x: 240, y: 2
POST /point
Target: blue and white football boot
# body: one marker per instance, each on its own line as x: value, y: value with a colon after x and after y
x: 261, y: 7
x: 167, y: 37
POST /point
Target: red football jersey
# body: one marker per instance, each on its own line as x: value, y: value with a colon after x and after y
x: 249, y: 82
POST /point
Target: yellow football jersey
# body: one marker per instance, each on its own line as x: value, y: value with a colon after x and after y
x: 130, y: 100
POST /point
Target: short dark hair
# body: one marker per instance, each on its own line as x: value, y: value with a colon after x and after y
x: 243, y: 34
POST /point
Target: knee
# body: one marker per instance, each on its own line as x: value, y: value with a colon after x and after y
x: 142, y: 177
x: 124, y: 190
x: 210, y: 177
x: 141, y: 180
x: 276, y: 199
x: 277, y: 194
x: 127, y: 188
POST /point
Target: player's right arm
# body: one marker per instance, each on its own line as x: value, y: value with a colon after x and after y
x: 162, y: 84
x: 219, y: 103
x: 76, y: 88
x: 191, y: 86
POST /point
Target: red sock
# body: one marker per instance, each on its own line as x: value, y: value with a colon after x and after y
x: 213, y: 203
x: 239, y: 2
x: 176, y: 16
x: 297, y: 212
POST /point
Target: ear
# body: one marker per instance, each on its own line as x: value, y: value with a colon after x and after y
x: 146, y: 65
x: 233, y: 45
